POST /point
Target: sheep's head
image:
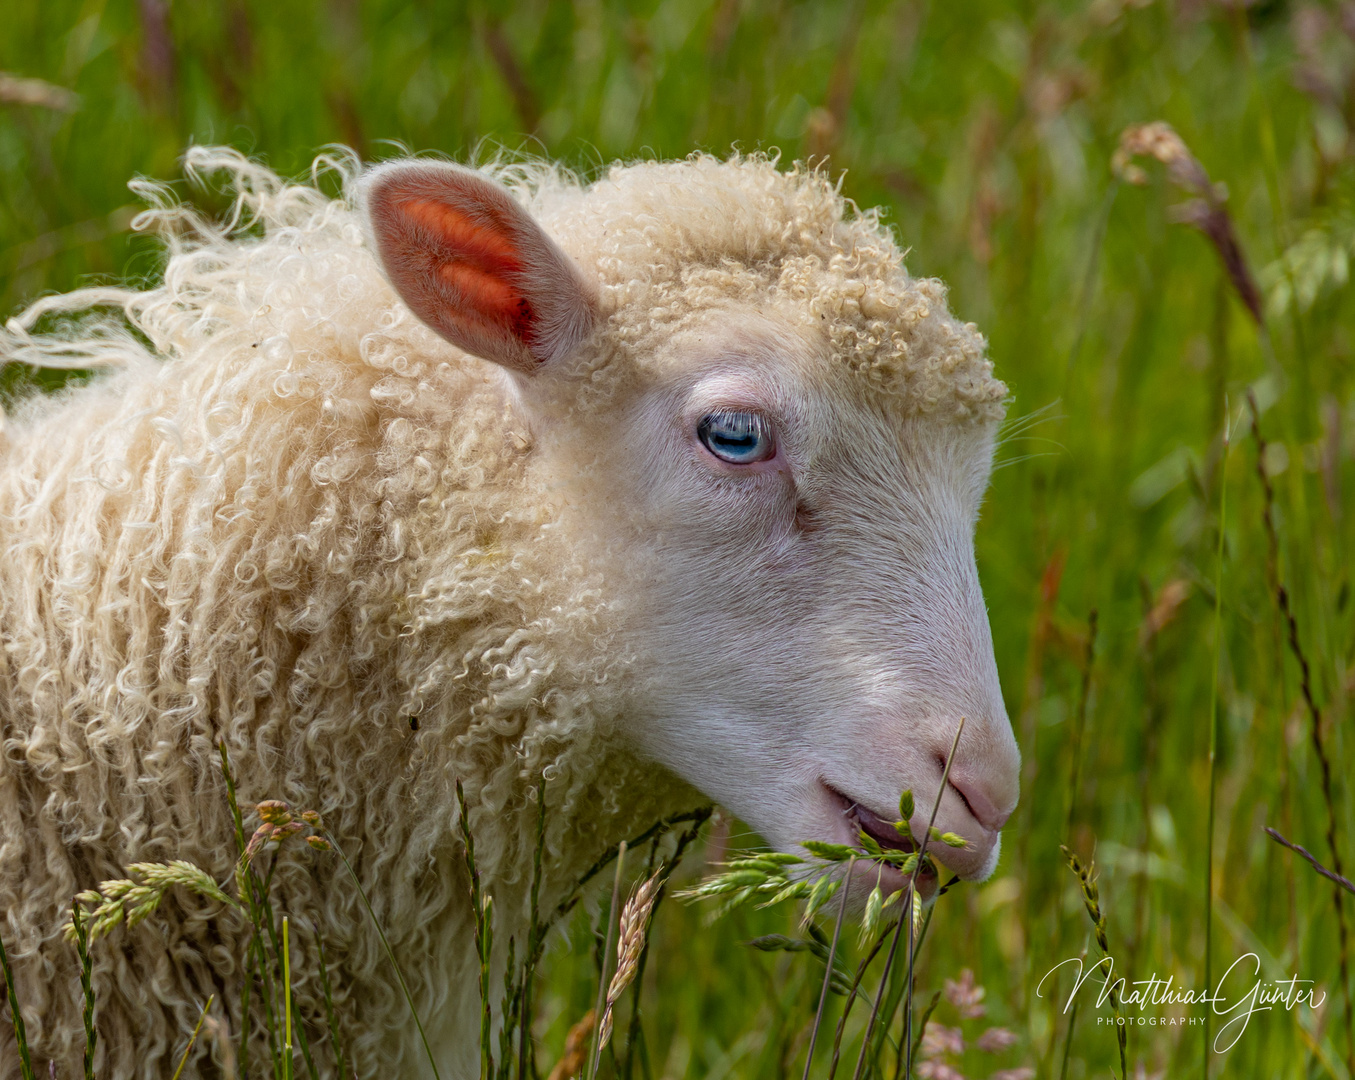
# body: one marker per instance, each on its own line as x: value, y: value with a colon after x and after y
x: 780, y: 439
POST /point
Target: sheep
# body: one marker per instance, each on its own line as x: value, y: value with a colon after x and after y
x: 661, y: 488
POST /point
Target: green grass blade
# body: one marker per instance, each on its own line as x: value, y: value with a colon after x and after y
x: 390, y: 954
x: 20, y: 1031
x: 828, y: 965
x: 78, y: 919
x: 330, y: 1018
x: 192, y: 1039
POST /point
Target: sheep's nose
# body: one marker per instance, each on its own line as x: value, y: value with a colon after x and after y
x: 991, y: 813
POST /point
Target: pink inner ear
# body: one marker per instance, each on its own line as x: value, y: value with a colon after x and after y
x: 480, y: 263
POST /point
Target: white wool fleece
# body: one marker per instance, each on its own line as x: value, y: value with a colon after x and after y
x: 292, y: 517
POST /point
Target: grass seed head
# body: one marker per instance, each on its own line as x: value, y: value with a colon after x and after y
x: 1159, y: 140
x: 134, y: 899
x: 630, y: 944
x: 966, y: 995
x: 819, y: 894
x: 821, y: 849
x: 995, y: 1040
x: 871, y: 919
x: 274, y: 811
x: 262, y: 835
x: 1207, y: 211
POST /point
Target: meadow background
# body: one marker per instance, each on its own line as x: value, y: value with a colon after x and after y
x: 987, y: 129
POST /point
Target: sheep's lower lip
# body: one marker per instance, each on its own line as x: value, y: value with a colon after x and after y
x: 861, y: 819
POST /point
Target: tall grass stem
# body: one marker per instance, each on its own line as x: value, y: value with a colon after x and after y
x: 915, y: 1046
x: 828, y: 969
x: 908, y: 1046
x: 526, y: 1051
x: 1304, y: 853
x: 287, y: 999
x: 1089, y: 281
x: 78, y: 918
x: 1080, y: 724
x: 192, y: 1039
x: 852, y: 994
x: 330, y: 1018
x: 16, y: 1017
x: 635, y: 1036
x: 1214, y: 734
x: 390, y: 954
x: 906, y: 911
x: 253, y: 901
x: 1315, y: 728
x: 1068, y: 1042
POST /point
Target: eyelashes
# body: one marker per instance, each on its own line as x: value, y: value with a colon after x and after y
x: 740, y: 438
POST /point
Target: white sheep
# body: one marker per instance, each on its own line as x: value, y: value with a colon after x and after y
x: 660, y: 484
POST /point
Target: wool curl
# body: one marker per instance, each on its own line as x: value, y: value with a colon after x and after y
x: 291, y: 519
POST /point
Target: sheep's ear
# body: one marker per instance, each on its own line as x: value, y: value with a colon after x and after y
x: 475, y: 266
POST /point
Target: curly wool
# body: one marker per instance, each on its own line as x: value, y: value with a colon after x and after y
x: 292, y: 519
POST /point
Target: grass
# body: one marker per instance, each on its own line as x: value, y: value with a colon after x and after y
x: 987, y: 130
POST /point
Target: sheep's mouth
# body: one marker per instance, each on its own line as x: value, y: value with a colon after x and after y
x: 867, y: 821
x: 879, y: 830
x: 859, y: 819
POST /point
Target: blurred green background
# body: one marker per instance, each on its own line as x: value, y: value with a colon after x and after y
x: 987, y: 130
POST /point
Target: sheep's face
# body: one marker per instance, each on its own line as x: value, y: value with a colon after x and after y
x: 791, y: 546
x: 805, y: 609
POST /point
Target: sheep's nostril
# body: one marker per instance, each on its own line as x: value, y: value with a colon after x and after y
x: 980, y: 805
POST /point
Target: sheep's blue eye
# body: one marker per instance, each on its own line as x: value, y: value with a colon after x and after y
x: 740, y: 438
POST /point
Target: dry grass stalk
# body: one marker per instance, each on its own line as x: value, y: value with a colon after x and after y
x: 1206, y: 211
x: 1303, y: 852
x: 1314, y: 716
x: 634, y: 932
x: 696, y: 818
x: 16, y: 90
x: 596, y: 1056
x: 635, y: 1037
x: 1165, y: 607
x: 577, y: 1042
